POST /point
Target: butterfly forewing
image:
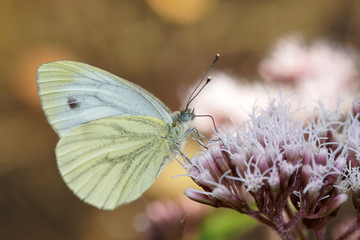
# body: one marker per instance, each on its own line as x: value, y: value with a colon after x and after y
x: 112, y: 161
x: 74, y: 93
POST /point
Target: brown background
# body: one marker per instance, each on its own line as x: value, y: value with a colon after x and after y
x: 161, y: 45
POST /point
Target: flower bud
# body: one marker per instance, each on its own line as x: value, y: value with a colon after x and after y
x: 222, y: 193
x: 306, y: 173
x: 312, y: 189
x: 220, y: 159
x: 262, y: 164
x: 205, y: 179
x: 239, y: 160
x: 286, y: 169
x: 194, y: 172
x: 200, y: 197
x: 274, y: 183
x: 332, y: 205
x: 322, y: 157
x: 308, y: 153
x: 292, y: 153
x: 338, y: 165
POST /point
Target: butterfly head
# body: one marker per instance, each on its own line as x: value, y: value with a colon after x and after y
x: 184, y: 116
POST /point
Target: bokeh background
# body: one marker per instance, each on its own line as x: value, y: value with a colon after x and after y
x: 164, y: 46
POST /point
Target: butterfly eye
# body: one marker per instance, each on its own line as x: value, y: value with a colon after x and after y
x: 186, y: 115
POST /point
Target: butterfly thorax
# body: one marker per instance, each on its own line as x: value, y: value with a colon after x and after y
x: 178, y: 129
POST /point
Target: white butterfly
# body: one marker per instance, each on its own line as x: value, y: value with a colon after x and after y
x: 115, y: 137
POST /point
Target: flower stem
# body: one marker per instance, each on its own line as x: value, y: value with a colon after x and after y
x: 320, y: 233
x: 280, y: 229
x: 294, y: 221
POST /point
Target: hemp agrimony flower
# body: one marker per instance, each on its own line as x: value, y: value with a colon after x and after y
x: 294, y: 171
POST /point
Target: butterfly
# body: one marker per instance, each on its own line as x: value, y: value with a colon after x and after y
x: 115, y: 137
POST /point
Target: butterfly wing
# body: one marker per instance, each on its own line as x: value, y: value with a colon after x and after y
x: 73, y: 93
x: 112, y: 161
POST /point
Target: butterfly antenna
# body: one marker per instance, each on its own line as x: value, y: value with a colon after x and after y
x: 190, y: 100
x: 193, y: 95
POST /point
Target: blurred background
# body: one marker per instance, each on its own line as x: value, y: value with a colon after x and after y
x: 164, y: 46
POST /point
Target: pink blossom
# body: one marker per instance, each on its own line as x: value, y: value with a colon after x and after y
x: 320, y: 69
x: 275, y: 158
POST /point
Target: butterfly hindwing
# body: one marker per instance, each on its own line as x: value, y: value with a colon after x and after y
x: 112, y: 161
x: 73, y: 93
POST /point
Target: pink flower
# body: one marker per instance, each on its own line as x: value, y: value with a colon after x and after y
x: 308, y: 68
x: 276, y: 159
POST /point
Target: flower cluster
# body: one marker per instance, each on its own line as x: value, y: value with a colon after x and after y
x: 319, y: 68
x: 292, y: 171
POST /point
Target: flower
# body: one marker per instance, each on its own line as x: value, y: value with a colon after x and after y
x: 292, y: 65
x: 275, y: 159
x: 308, y: 66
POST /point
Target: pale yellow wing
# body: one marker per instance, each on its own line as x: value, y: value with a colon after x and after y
x: 73, y: 93
x: 112, y: 161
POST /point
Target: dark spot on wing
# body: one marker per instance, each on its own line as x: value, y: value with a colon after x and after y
x: 73, y: 103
